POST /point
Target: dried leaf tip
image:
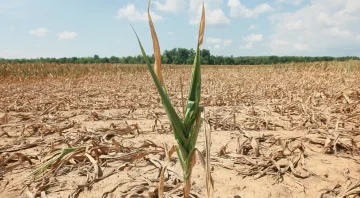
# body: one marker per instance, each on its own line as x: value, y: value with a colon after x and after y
x: 156, y: 46
x: 202, y: 26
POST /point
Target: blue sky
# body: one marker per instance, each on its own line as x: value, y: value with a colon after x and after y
x: 49, y: 28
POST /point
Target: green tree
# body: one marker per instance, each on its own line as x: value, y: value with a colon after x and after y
x: 114, y: 59
x: 205, y: 56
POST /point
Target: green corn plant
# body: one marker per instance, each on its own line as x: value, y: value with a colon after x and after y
x: 186, y: 130
x: 53, y: 160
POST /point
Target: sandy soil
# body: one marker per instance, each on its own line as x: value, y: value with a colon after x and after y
x: 305, y: 122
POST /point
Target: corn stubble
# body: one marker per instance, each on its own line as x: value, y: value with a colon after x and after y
x: 321, y: 100
x: 185, y: 131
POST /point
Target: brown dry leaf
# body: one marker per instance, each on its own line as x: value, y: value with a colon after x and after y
x: 336, y: 142
x: 21, y: 147
x: 162, y: 173
x: 5, y: 119
x: 276, y: 165
x: 355, y: 150
x: 116, y: 144
x: 135, y: 189
x: 137, y: 156
x: 149, y: 143
x: 350, y: 189
x: 105, y: 194
x: 43, y: 194
x: 347, y: 98
x: 241, y: 146
x: 162, y: 181
x: 255, y: 146
x: 4, y: 133
x: 187, y: 185
x: 222, y: 152
x: 170, y: 152
x: 295, y: 173
x: 202, y: 26
x: 156, y: 47
x: 28, y: 193
x: 51, y: 108
x: 3, y: 158
x: 98, y: 171
x: 327, y: 144
x: 176, y: 188
x: 283, y: 144
x: 209, y: 180
x: 327, y: 191
x: 23, y: 158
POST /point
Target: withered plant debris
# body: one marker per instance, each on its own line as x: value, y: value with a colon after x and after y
x: 283, y: 125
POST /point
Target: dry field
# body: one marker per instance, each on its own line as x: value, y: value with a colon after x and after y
x: 277, y: 131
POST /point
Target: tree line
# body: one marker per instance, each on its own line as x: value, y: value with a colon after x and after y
x: 184, y: 56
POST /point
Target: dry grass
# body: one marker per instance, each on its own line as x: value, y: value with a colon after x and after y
x: 284, y: 130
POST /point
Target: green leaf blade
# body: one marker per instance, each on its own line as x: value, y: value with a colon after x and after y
x: 177, y: 123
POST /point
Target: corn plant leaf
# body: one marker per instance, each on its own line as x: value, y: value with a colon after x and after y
x: 189, y: 116
x: 182, y: 156
x: 189, y: 161
x: 156, y: 46
x: 174, y: 118
x: 202, y: 27
x: 194, y: 94
x: 195, y: 86
x: 53, y: 160
x: 194, y: 132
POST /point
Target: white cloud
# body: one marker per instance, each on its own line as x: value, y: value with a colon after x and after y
x: 211, y: 40
x: 40, y: 32
x: 254, y: 38
x: 171, y: 6
x: 217, y: 46
x: 281, y: 43
x: 295, y: 25
x: 133, y: 14
x: 301, y: 47
x: 170, y: 33
x: 292, y: 2
x: 228, y: 42
x: 239, y: 10
x: 317, y: 28
x: 247, y: 46
x: 250, y: 40
x: 335, y: 31
x: 215, y: 16
x: 218, y: 43
x: 194, y: 5
x: 252, y: 27
x: 67, y: 35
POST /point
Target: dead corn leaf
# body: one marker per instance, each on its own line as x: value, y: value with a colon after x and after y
x: 255, y: 146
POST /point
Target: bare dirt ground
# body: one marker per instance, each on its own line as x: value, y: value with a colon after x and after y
x: 276, y: 131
